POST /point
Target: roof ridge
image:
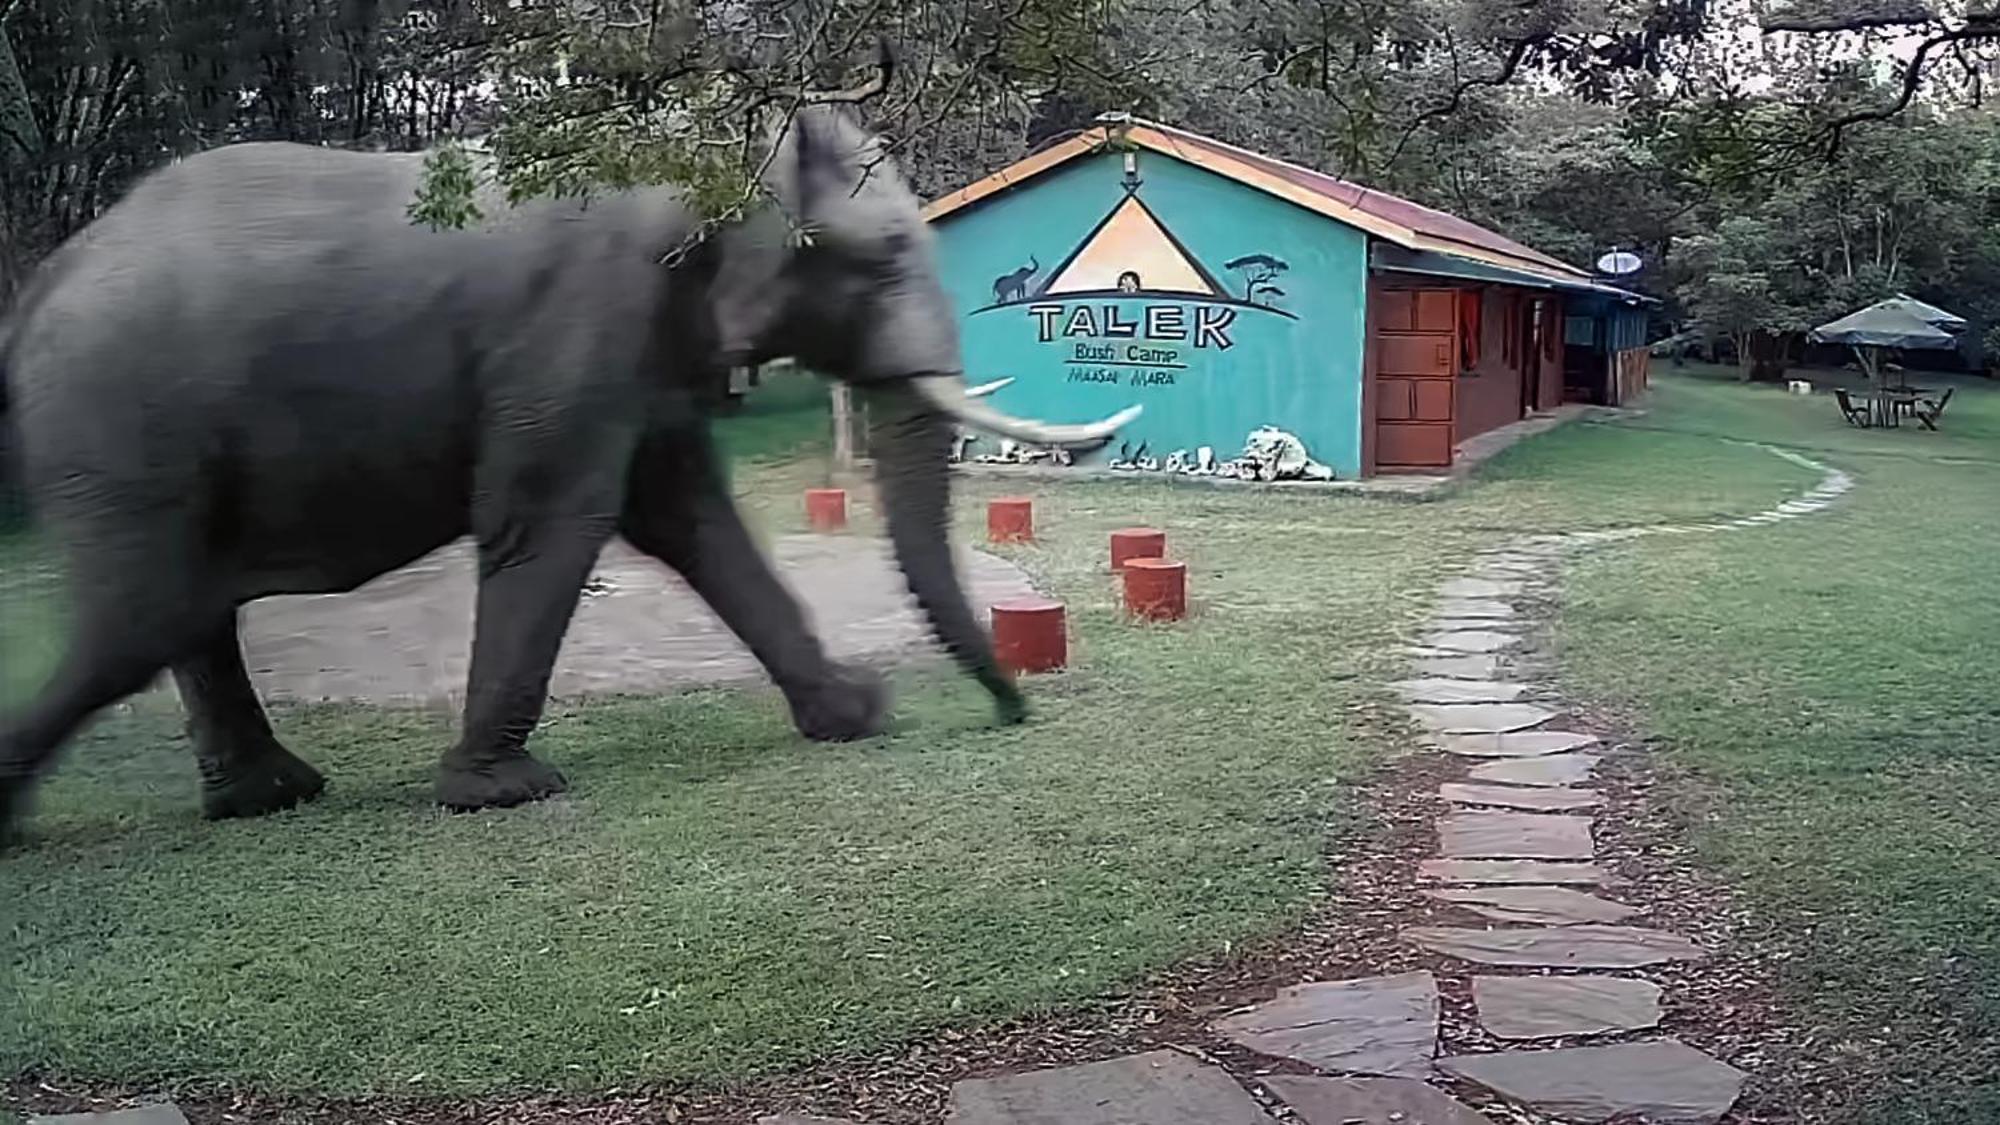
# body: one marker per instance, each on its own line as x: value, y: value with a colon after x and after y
x: 1376, y: 212
x: 1359, y: 190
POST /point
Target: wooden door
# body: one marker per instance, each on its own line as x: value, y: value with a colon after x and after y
x: 1416, y: 377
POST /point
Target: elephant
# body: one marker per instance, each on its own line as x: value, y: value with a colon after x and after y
x: 255, y: 375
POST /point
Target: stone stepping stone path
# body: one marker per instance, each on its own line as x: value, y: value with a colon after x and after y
x: 1553, y: 771
x: 1456, y: 665
x: 1371, y: 1101
x: 1378, y: 1025
x: 1505, y: 871
x: 1514, y: 835
x: 1516, y: 744
x: 1664, y: 1082
x: 1558, y: 947
x: 1157, y: 1088
x: 1446, y: 689
x: 164, y: 1113
x: 1486, y: 588
x: 1554, y: 1007
x: 1547, y: 799
x: 1516, y: 842
x: 1480, y: 718
x: 1469, y: 640
x: 1474, y: 609
x: 1474, y: 624
x: 1535, y: 905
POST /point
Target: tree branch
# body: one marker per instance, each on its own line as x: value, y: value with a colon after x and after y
x: 1517, y: 55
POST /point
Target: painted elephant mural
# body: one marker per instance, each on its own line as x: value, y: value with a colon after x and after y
x: 253, y: 376
x: 1013, y: 285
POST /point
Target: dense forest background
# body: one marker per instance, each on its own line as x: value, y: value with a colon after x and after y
x: 1774, y: 167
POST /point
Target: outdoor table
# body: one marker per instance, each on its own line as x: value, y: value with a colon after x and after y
x: 1889, y: 404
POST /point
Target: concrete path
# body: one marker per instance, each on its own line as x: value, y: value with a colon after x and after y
x: 407, y: 636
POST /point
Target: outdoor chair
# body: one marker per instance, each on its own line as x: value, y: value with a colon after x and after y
x: 1928, y: 410
x: 1855, y: 415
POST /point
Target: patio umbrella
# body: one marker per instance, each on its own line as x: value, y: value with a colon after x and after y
x: 1928, y: 313
x: 1885, y: 324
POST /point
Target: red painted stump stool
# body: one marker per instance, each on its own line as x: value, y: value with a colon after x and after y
x: 1137, y: 543
x: 1156, y: 589
x: 1029, y: 635
x: 1010, y: 519
x: 826, y: 508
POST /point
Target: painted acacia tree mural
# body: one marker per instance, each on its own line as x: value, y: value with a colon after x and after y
x: 1259, y: 272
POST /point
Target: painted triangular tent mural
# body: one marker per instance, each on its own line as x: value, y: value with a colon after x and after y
x: 1130, y: 251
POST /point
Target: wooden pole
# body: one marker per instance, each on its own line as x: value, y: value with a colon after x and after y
x: 843, y: 427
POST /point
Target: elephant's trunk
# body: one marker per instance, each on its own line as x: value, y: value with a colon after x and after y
x: 909, y: 441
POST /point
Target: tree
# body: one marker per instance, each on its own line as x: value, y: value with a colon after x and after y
x: 1729, y: 289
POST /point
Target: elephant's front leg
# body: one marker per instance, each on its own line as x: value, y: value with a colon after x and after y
x: 530, y: 576
x: 678, y: 510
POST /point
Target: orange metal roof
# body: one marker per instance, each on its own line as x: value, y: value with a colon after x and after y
x: 1380, y: 214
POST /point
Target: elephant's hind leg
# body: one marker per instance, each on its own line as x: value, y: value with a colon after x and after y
x: 244, y: 770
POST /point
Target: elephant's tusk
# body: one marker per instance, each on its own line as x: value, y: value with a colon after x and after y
x: 947, y: 393
x: 984, y: 389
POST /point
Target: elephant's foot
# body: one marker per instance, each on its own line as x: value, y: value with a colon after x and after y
x: 1010, y: 705
x: 270, y: 780
x: 514, y: 780
x: 851, y: 704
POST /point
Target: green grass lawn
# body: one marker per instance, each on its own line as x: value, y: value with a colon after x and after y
x: 1831, y: 682
x: 717, y: 898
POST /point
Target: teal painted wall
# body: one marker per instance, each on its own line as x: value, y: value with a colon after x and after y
x: 1207, y: 369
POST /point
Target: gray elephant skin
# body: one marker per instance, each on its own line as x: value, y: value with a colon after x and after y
x: 256, y: 376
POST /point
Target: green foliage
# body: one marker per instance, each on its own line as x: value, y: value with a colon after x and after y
x: 447, y: 197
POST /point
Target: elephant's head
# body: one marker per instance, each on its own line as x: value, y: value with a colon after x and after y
x: 842, y: 276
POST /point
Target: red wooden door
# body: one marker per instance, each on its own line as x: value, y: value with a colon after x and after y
x: 1416, y: 384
